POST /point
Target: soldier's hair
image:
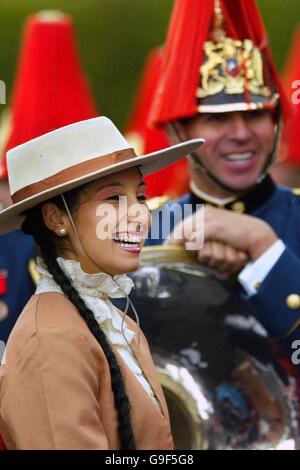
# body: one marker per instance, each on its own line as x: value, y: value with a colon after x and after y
x: 49, y: 245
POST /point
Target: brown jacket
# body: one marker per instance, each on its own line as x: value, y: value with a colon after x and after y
x: 55, y: 388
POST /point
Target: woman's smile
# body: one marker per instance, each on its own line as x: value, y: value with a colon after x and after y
x: 129, y: 241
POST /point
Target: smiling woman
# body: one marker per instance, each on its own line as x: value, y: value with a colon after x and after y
x: 78, y: 372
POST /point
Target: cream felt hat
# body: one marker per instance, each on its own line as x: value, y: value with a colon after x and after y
x: 72, y: 156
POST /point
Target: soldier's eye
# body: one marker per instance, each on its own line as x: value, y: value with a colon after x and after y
x: 251, y: 115
x: 217, y: 117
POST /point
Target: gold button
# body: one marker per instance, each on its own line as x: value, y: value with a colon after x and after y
x: 293, y: 301
x: 238, y: 206
x: 296, y: 191
x: 257, y: 285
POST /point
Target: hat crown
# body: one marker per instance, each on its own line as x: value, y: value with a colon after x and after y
x: 64, y: 148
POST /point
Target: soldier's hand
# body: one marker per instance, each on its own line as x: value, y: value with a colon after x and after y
x: 223, y: 258
x: 241, y: 232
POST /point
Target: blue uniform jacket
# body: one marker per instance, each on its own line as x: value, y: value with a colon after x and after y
x: 16, y: 249
x: 280, y: 207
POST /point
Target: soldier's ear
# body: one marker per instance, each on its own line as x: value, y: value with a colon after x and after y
x: 176, y: 132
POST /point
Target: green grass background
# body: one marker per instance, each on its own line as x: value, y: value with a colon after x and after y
x: 114, y: 37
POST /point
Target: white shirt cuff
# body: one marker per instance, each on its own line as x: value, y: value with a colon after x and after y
x: 256, y: 271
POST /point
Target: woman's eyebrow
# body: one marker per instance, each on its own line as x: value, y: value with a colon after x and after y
x: 108, y: 185
x: 118, y: 185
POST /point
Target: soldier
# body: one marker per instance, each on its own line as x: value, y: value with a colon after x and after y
x: 58, y: 95
x: 16, y: 285
x: 218, y: 81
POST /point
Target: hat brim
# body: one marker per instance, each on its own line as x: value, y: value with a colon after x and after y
x: 11, y: 218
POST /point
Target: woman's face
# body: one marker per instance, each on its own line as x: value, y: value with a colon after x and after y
x: 112, y: 221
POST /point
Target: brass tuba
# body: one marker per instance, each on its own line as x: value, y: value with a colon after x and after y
x: 225, y: 382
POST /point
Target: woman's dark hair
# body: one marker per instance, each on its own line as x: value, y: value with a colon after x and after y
x: 49, y: 244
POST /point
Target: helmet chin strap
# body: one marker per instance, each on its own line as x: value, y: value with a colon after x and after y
x: 128, y: 300
x: 198, y: 165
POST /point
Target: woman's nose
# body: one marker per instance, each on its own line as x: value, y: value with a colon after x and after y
x: 139, y: 217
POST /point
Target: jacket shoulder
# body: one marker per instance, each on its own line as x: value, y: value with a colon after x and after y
x: 46, y: 312
x: 288, y: 193
x: 284, y: 200
x: 48, y: 322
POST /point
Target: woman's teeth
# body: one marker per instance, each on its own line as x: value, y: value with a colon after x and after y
x: 128, y: 240
x: 239, y: 157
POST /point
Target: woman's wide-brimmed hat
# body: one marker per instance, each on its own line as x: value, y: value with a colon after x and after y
x: 71, y: 156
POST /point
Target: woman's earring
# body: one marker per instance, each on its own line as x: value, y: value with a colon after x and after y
x: 62, y: 232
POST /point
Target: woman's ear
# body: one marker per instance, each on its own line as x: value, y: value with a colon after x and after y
x: 55, y: 219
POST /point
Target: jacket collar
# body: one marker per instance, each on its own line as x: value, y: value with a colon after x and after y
x: 246, y: 203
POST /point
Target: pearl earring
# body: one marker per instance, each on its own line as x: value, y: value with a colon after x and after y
x: 62, y: 232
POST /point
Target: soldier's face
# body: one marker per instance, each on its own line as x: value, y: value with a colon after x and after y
x: 237, y: 145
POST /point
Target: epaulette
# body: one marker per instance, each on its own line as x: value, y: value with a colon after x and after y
x: 33, y: 271
x: 296, y: 191
x: 156, y: 203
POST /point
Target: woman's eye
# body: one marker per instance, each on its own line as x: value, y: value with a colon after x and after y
x: 113, y: 197
x: 118, y: 197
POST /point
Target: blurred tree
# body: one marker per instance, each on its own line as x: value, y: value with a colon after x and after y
x: 114, y: 37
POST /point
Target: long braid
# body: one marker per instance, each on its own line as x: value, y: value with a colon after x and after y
x: 45, y: 240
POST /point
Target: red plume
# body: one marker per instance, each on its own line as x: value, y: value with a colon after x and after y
x: 50, y: 89
x: 190, y: 27
x: 172, y: 180
x: 290, y: 138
